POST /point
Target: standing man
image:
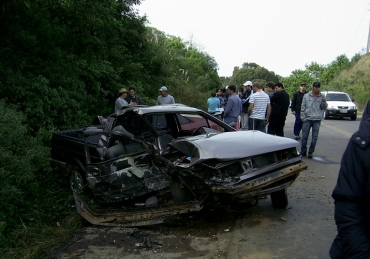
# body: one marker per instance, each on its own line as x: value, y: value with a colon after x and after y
x: 245, y: 104
x: 120, y: 102
x: 352, y: 196
x: 270, y: 89
x: 313, y: 105
x: 233, y: 107
x: 296, y: 109
x: 279, y: 110
x: 165, y: 98
x: 258, y: 104
x: 132, y: 98
x: 213, y: 103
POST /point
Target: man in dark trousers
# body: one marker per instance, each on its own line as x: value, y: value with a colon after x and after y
x: 296, y: 109
x: 279, y: 111
x: 233, y: 107
x: 352, y: 196
x: 245, y: 104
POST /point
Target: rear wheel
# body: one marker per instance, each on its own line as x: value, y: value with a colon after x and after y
x: 353, y: 117
x: 279, y: 199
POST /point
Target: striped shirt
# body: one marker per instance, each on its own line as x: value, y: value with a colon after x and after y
x: 260, y: 100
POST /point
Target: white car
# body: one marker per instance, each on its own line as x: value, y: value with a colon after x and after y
x: 340, y: 105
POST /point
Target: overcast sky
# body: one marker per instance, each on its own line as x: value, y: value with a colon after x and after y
x: 280, y: 35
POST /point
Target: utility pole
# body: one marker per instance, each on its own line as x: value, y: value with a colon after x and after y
x: 368, y: 41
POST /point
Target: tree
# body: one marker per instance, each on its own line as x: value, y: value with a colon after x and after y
x: 252, y: 72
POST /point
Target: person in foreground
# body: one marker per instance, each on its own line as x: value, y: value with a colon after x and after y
x: 352, y: 196
x: 313, y: 105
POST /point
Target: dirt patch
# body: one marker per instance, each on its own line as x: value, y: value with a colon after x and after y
x: 203, y: 234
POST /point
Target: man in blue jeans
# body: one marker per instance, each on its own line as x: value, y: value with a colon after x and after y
x: 296, y: 109
x: 313, y: 105
x: 233, y: 107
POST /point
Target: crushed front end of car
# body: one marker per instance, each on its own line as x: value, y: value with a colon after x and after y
x: 226, y: 168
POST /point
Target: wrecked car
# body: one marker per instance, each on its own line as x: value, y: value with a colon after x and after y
x: 149, y: 162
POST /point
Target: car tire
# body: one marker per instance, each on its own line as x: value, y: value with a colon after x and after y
x: 279, y: 199
x: 353, y: 117
x: 326, y: 114
x: 179, y: 193
x: 77, y: 181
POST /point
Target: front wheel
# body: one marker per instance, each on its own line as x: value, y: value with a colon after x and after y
x: 77, y: 181
x: 326, y: 114
x: 353, y: 117
x: 179, y: 192
x: 279, y: 199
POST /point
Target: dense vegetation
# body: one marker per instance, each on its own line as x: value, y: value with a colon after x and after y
x: 62, y: 63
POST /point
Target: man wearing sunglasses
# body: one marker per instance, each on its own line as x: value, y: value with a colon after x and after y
x: 313, y: 105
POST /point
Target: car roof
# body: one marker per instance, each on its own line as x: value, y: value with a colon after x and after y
x: 167, y: 108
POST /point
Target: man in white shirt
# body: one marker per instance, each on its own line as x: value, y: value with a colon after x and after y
x: 165, y: 98
x: 258, y: 103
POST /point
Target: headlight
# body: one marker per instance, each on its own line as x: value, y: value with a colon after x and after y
x: 352, y: 107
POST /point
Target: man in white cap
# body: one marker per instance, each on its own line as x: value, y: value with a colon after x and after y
x: 165, y: 98
x: 120, y: 102
x: 245, y: 103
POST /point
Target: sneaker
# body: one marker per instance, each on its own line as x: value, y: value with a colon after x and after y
x: 309, y: 154
x: 297, y: 137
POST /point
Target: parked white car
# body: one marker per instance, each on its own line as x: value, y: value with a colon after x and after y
x: 340, y: 105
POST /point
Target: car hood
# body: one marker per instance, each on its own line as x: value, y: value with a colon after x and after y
x: 230, y: 145
x: 339, y: 104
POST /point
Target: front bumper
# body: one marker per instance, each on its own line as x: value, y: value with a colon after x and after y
x: 263, y: 184
x: 341, y: 112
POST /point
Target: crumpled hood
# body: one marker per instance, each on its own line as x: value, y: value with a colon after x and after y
x: 230, y: 145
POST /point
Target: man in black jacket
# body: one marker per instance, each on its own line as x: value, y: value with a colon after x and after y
x: 296, y: 109
x: 133, y: 98
x: 279, y: 111
x: 352, y: 196
x: 245, y: 102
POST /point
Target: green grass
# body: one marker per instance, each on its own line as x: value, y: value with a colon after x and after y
x: 38, y: 240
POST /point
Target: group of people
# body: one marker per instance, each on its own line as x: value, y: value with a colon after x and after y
x: 132, y: 98
x: 265, y: 109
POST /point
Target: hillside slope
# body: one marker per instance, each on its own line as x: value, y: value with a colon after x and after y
x: 355, y: 81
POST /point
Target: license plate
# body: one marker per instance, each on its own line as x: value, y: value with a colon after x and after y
x: 343, y: 111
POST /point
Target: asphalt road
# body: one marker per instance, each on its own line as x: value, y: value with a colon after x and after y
x: 307, y: 228
x: 304, y: 230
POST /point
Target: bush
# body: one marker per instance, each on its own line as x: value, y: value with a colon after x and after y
x: 29, y: 189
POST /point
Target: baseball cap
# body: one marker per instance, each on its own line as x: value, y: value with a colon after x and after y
x: 303, y: 83
x: 163, y: 88
x: 248, y: 83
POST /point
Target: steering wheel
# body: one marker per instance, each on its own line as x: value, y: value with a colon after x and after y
x: 199, y: 130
